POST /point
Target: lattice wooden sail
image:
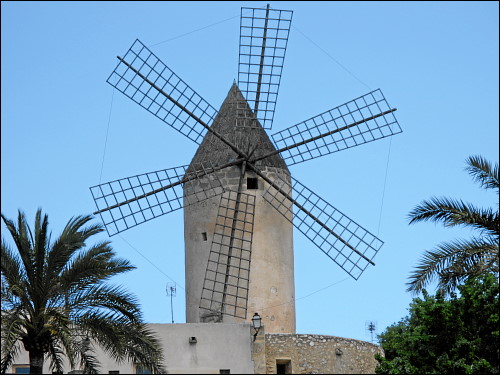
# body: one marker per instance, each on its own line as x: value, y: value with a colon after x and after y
x: 263, y: 41
x: 339, y: 237
x: 226, y: 283
x: 130, y: 201
x: 145, y: 79
x: 356, y: 122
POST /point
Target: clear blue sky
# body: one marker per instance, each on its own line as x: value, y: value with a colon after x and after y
x: 437, y: 62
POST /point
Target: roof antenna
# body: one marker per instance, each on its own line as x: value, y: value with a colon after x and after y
x: 371, y: 326
x: 171, y: 291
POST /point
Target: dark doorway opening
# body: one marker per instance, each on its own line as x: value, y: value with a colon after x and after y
x: 283, y: 366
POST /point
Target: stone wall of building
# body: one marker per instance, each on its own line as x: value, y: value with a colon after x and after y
x: 319, y: 354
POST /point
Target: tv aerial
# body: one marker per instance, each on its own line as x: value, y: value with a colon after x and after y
x: 370, y: 328
x: 171, y: 290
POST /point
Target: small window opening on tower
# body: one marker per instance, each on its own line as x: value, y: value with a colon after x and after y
x: 204, y: 236
x: 283, y: 366
x: 252, y: 183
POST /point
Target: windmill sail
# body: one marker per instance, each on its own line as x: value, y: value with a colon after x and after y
x: 263, y: 41
x: 226, y: 283
x: 340, y: 238
x: 142, y: 77
x: 130, y: 201
x: 356, y: 122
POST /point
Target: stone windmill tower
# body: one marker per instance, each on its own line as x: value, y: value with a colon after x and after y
x: 240, y: 201
x: 260, y: 274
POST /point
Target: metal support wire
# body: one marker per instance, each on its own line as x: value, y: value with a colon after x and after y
x: 131, y: 201
x: 356, y: 122
x: 263, y: 41
x: 328, y: 228
x: 227, y: 277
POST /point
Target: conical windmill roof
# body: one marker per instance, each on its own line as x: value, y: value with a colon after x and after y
x: 237, y: 123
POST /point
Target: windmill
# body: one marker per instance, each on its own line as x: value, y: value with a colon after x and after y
x: 240, y: 201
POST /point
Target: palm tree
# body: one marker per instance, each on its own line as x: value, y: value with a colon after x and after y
x: 57, y: 302
x: 454, y: 262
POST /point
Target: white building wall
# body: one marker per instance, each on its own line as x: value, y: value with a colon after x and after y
x: 218, y: 347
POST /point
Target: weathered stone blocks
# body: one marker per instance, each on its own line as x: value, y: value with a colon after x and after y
x: 320, y: 354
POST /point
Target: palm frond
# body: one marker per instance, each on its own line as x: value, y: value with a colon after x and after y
x: 75, y: 225
x: 11, y: 330
x: 69, y: 242
x: 123, y: 339
x: 90, y: 363
x: 14, y: 298
x: 10, y: 265
x: 455, y: 212
x: 56, y: 358
x: 66, y: 335
x: 8, y: 357
x: 14, y: 283
x: 80, y: 352
x: 105, y: 330
x: 88, y: 360
x: 93, y: 265
x: 483, y: 172
x: 452, y: 262
x: 40, y: 242
x: 144, y: 348
x: 115, y: 300
x: 22, y: 241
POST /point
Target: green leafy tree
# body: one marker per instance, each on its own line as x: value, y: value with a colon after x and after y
x: 57, y: 301
x: 454, y: 262
x: 444, y: 335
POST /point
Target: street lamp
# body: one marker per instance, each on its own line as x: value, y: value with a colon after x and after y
x: 256, y: 324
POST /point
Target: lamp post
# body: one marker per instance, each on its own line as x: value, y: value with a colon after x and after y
x: 256, y: 324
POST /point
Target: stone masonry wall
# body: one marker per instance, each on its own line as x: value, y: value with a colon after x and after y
x: 320, y: 354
